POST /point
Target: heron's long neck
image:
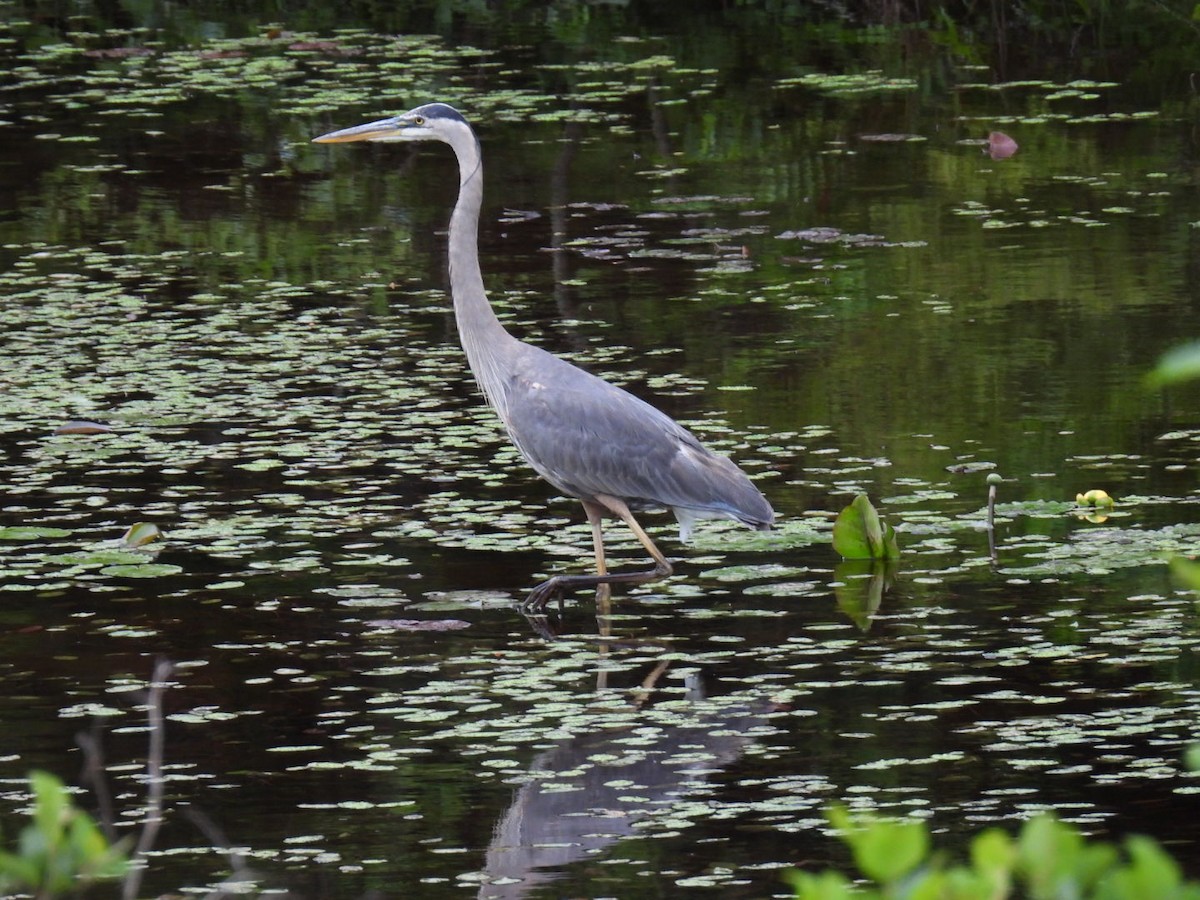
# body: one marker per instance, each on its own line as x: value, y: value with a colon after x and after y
x: 483, y: 337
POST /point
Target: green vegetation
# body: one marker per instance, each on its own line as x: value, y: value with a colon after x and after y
x: 859, y: 533
x: 776, y: 219
x: 1047, y: 860
x: 62, y: 849
x: 1176, y: 366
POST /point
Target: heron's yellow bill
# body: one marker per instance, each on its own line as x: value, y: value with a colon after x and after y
x: 372, y: 131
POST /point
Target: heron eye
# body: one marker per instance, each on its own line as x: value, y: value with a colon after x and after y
x: 418, y: 120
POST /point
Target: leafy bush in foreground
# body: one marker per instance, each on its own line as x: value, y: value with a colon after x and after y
x: 61, y: 849
x: 1047, y: 860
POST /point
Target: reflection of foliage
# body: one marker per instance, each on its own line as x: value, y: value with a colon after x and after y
x: 62, y: 849
x: 1187, y: 571
x: 1176, y: 366
x: 1047, y: 859
x: 859, y: 586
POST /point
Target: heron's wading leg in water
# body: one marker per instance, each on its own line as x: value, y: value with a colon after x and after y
x: 590, y: 439
x: 559, y: 584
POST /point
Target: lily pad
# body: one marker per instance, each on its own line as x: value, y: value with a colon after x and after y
x: 142, y: 570
x: 30, y: 532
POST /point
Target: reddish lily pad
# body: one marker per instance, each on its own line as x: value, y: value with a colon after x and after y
x: 78, y: 426
x: 1000, y: 145
x: 418, y: 624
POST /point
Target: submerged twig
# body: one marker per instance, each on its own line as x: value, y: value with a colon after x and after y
x: 93, y: 775
x: 215, y: 836
x: 154, y: 780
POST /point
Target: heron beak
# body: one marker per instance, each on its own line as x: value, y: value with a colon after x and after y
x: 396, y: 128
x: 381, y: 130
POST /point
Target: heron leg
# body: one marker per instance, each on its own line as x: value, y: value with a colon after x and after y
x: 595, y: 515
x: 662, y: 568
x: 595, y: 508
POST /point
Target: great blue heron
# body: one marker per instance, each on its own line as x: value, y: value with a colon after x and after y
x: 588, y: 438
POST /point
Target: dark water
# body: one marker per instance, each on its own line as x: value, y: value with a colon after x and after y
x: 829, y: 281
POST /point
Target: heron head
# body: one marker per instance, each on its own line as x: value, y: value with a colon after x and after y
x: 431, y: 122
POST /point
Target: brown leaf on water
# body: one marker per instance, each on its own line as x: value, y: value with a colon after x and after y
x: 418, y: 624
x: 118, y: 52
x: 81, y: 427
x: 1000, y: 145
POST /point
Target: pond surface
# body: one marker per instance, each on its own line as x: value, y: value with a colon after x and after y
x: 826, y: 278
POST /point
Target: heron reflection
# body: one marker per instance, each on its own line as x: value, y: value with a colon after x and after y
x: 588, y: 792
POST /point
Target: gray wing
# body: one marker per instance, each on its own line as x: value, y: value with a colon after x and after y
x: 588, y: 437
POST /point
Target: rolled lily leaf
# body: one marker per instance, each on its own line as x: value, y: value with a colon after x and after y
x: 859, y: 533
x: 141, y: 533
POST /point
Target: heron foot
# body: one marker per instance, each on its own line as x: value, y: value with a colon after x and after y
x: 560, y: 584
x: 541, y: 595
